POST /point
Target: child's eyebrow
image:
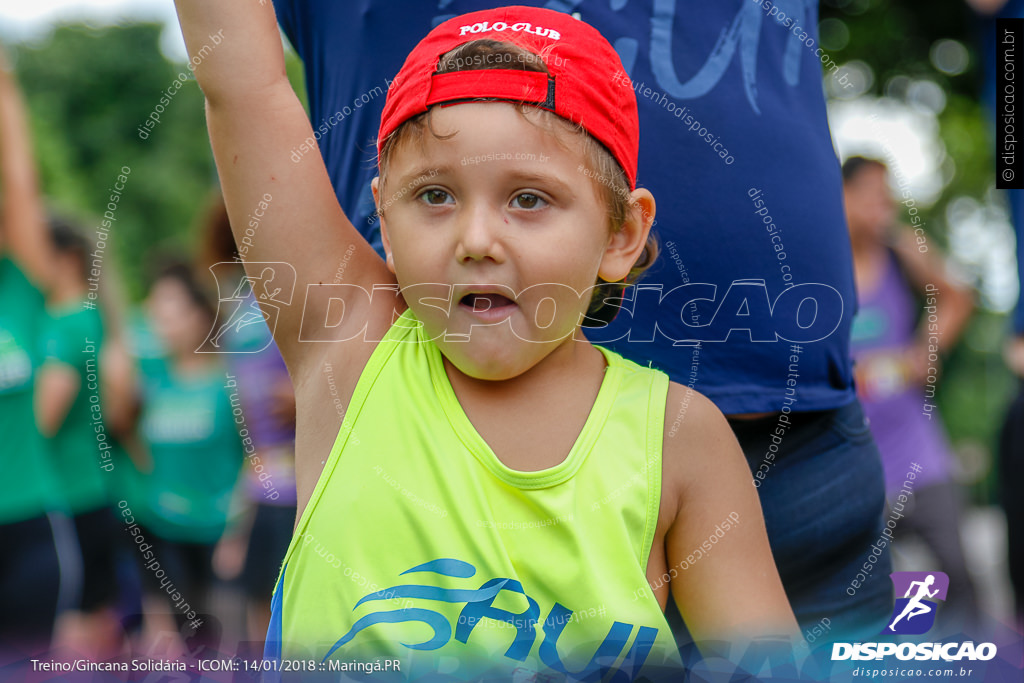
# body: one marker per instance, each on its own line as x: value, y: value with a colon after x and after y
x: 554, y: 182
x: 548, y: 180
x: 421, y: 174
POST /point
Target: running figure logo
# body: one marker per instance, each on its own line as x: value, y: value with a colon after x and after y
x: 244, y: 300
x: 914, y: 613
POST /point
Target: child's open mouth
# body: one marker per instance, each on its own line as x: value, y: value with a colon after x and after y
x: 487, y: 306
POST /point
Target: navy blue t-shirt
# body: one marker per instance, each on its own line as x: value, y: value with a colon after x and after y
x: 734, y: 145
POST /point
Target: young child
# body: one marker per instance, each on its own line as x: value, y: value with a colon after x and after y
x: 189, y: 421
x: 480, y: 491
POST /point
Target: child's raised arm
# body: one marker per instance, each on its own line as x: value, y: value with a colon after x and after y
x: 25, y: 233
x: 281, y: 210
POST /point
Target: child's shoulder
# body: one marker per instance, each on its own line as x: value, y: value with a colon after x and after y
x: 687, y: 409
x: 698, y: 440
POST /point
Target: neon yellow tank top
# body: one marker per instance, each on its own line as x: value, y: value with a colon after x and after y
x: 419, y: 545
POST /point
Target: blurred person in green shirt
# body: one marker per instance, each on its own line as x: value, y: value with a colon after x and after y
x: 30, y: 570
x: 54, y: 320
x: 188, y: 423
x: 29, y: 567
x: 73, y: 418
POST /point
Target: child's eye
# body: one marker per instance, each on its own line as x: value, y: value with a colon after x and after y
x: 436, y: 197
x: 528, y: 200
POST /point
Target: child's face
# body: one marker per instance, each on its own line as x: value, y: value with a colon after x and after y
x: 179, y: 323
x: 507, y: 209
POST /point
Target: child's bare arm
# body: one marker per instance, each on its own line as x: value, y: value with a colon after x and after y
x: 24, y: 218
x: 280, y: 210
x: 724, y: 581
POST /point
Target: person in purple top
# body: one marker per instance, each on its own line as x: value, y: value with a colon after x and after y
x: 267, y: 425
x: 898, y: 347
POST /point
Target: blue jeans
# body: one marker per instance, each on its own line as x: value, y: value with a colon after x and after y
x: 823, y: 498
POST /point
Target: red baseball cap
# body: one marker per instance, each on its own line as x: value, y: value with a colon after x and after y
x: 586, y: 84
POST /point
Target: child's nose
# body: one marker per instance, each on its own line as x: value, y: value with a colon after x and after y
x: 480, y: 236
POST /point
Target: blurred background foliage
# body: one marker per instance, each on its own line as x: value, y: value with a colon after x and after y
x: 90, y: 89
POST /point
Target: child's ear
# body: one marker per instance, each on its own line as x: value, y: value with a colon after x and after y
x: 385, y: 240
x: 626, y: 245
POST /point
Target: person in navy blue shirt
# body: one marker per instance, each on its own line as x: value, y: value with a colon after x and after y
x: 752, y: 297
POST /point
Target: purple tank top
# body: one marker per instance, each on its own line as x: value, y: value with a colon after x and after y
x: 882, y: 330
x: 254, y: 359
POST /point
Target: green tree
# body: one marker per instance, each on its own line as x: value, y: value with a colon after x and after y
x: 89, y: 91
